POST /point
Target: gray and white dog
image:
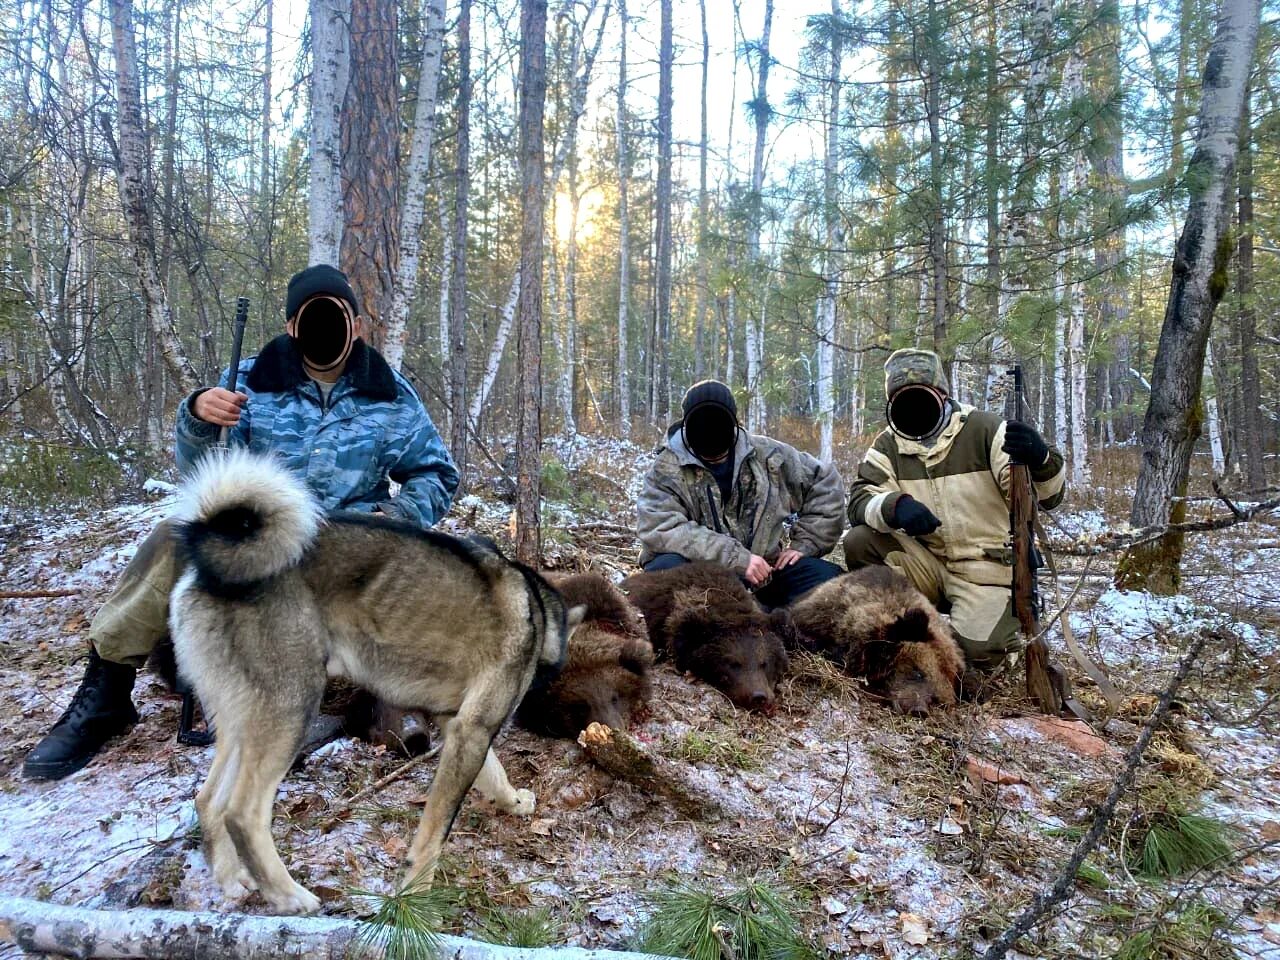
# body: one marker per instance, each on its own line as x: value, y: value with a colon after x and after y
x: 276, y: 597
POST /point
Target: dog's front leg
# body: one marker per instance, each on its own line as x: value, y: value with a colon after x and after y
x: 496, y: 788
x: 466, y: 742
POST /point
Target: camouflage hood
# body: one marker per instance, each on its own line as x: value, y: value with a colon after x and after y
x: 681, y: 510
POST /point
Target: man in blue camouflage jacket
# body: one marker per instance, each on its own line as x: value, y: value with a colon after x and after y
x: 330, y: 408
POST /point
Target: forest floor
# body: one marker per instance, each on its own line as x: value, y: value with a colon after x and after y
x: 894, y: 836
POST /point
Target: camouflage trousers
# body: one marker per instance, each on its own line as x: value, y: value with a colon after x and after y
x: 136, y: 616
x: 981, y: 615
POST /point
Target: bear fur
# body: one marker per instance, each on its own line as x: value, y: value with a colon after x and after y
x: 876, y: 625
x: 702, y: 616
x: 605, y: 677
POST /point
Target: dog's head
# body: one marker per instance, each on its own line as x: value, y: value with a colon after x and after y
x: 739, y: 651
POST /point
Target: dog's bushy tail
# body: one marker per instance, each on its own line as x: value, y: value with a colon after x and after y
x: 243, y: 518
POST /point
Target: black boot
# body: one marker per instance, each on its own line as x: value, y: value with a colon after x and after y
x: 100, y: 709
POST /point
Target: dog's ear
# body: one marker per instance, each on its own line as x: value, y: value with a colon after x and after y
x: 783, y: 625
x: 575, y: 616
x: 636, y: 656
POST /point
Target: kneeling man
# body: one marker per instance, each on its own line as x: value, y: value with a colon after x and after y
x: 718, y: 493
x: 931, y: 500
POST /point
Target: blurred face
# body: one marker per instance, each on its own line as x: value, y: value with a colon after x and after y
x: 710, y: 432
x: 915, y: 411
x: 324, y: 329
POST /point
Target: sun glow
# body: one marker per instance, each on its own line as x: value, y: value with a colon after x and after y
x: 589, y: 203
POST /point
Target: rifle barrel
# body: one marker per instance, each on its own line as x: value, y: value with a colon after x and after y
x: 237, y: 341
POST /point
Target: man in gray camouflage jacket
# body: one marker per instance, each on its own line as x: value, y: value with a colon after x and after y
x: 765, y: 510
x: 326, y: 405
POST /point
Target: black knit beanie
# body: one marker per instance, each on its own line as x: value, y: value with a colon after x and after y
x: 318, y: 279
x: 710, y: 425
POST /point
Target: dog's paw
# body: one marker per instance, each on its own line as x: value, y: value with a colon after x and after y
x: 236, y: 882
x: 522, y: 803
x: 297, y: 900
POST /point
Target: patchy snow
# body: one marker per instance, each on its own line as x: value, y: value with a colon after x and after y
x: 833, y: 796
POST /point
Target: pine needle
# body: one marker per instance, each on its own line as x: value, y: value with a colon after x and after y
x: 519, y: 928
x: 754, y: 923
x: 1174, y: 844
x: 405, y: 925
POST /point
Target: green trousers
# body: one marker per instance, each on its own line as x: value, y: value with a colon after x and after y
x: 982, y: 616
x: 136, y: 616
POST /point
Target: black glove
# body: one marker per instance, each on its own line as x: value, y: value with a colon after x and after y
x: 913, y: 518
x: 1024, y: 445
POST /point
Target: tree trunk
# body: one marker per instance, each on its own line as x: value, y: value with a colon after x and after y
x: 1175, y: 413
x: 704, y: 280
x: 370, y: 134
x: 1249, y: 423
x: 135, y: 198
x: 937, y: 223
x: 458, y: 281
x: 831, y: 217
x: 1076, y: 186
x: 991, y: 159
x: 446, y: 278
x: 624, y: 230
x: 413, y: 207
x: 49, y: 928
x: 331, y: 53
x: 533, y: 89
x: 662, y: 210
x: 756, y: 319
x: 507, y: 321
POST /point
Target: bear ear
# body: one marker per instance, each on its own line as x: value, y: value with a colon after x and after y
x: 575, y: 616
x: 782, y: 623
x: 636, y: 656
x: 911, y: 627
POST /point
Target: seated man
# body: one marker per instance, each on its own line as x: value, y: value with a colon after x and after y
x: 931, y: 500
x: 715, y: 492
x: 331, y: 409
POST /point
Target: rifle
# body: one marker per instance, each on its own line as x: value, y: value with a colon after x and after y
x: 187, y: 734
x: 1047, y: 683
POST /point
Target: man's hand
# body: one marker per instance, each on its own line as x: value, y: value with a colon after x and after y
x: 786, y: 558
x: 913, y: 518
x: 1024, y: 445
x: 758, y: 571
x: 220, y: 407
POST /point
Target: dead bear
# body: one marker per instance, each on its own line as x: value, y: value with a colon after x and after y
x: 606, y: 671
x: 876, y: 625
x: 703, y: 616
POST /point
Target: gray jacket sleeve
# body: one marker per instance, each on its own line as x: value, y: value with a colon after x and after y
x: 664, y: 524
x: 821, y: 518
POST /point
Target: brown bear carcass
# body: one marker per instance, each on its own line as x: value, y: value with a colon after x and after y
x: 702, y: 616
x: 876, y: 625
x: 605, y: 676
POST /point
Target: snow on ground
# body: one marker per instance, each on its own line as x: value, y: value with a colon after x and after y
x: 877, y: 822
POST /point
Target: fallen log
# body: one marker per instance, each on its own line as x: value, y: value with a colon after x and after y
x: 1126, y: 540
x: 623, y: 757
x: 51, y: 928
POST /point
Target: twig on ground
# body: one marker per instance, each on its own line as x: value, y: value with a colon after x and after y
x: 344, y: 808
x: 1065, y: 884
x: 35, y: 594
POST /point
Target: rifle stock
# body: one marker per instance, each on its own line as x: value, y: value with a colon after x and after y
x: 1047, y: 683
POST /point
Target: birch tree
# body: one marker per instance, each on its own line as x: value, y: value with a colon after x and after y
x: 704, y: 203
x: 331, y: 53
x: 831, y: 213
x: 662, y: 209
x: 414, y: 204
x: 624, y: 228
x: 756, y: 321
x: 1174, y: 416
x: 1076, y: 185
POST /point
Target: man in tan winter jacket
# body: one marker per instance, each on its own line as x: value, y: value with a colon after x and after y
x: 763, y: 509
x: 931, y: 500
